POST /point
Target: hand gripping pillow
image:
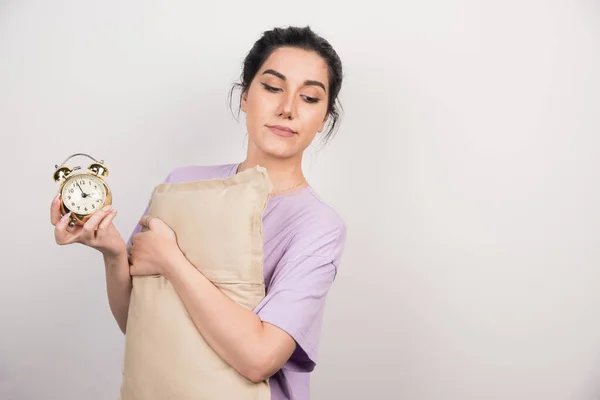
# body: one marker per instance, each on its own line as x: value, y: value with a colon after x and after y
x: 218, y: 223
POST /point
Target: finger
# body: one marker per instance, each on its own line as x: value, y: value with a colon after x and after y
x: 61, y: 235
x: 136, y: 270
x: 133, y: 268
x: 135, y: 238
x: 145, y: 221
x: 159, y: 226
x: 130, y: 255
x: 55, y: 210
x: 107, y: 220
x: 90, y: 226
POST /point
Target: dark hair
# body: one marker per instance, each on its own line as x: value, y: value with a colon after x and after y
x: 301, y: 38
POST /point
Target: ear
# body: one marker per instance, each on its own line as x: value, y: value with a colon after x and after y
x: 322, y: 126
x: 244, y: 105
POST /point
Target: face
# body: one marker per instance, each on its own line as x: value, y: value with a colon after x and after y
x: 286, y: 103
x: 83, y: 194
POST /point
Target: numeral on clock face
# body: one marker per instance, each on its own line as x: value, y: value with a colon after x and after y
x: 84, y: 194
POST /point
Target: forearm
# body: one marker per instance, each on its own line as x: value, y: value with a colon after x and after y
x: 234, y: 332
x: 118, y: 287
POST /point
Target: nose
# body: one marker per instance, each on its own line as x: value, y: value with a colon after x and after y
x: 287, y: 107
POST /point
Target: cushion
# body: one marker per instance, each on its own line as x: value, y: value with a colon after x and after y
x: 218, y: 224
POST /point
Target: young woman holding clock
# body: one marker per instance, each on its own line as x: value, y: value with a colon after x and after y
x: 289, y: 89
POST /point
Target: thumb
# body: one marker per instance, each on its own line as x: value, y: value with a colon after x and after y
x: 157, y: 225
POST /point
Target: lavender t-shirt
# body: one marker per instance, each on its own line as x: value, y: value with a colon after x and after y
x: 303, y: 242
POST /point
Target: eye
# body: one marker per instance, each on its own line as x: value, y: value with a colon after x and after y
x: 311, y: 99
x: 271, y: 88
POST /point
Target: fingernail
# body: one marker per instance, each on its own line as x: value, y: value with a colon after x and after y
x: 56, y: 197
x: 107, y: 208
x: 66, y: 216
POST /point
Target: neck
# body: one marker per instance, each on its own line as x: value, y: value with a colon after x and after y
x: 283, y: 173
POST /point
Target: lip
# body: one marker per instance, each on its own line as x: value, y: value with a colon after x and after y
x: 281, y: 130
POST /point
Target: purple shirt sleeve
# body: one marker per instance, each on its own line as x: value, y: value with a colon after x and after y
x: 296, y: 293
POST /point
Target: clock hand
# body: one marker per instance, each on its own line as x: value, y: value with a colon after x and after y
x: 83, y: 194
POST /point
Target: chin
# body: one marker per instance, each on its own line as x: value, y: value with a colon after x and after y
x: 276, y: 146
x: 279, y: 151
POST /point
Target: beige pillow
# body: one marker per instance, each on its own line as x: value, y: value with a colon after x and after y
x: 218, y: 223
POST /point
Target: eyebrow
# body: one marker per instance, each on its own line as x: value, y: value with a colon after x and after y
x: 283, y: 78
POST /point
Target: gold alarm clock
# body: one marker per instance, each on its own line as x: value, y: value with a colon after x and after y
x: 82, y: 192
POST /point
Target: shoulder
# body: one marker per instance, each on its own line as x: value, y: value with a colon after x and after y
x: 320, y: 214
x: 200, y: 172
x: 316, y: 229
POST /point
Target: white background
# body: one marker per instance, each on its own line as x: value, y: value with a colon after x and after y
x: 466, y: 168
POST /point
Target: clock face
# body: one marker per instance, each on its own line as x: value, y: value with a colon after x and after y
x: 84, y: 194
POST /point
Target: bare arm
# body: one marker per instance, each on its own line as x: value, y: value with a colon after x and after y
x: 100, y: 233
x: 255, y: 349
x: 118, y: 287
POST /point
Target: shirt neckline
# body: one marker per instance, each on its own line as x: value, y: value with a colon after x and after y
x: 308, y: 188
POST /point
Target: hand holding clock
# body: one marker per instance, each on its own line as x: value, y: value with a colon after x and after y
x: 98, y: 232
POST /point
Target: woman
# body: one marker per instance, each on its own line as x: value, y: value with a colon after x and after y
x: 289, y: 86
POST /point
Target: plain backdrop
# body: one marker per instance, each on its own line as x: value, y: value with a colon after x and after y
x: 466, y: 168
